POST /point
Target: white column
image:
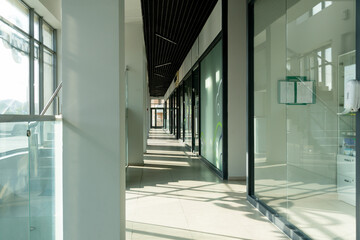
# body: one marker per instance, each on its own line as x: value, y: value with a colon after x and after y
x: 135, y: 60
x: 237, y: 92
x: 93, y: 113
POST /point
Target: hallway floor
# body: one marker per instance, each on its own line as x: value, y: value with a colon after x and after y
x: 175, y: 196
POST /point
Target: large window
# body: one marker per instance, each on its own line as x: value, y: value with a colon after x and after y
x: 27, y: 60
x: 304, y: 152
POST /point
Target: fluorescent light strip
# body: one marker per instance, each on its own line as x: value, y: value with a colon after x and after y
x: 162, y: 65
x: 159, y: 75
x: 158, y: 35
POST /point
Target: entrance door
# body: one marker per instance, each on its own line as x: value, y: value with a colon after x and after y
x: 157, y: 118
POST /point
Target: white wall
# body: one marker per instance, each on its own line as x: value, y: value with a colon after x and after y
x: 211, y: 28
x: 93, y: 107
x: 135, y: 60
x: 237, y: 88
x: 207, y: 35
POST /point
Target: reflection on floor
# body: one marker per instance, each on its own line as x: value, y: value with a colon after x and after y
x: 175, y: 196
x: 308, y: 201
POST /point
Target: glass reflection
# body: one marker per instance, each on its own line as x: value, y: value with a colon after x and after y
x: 304, y: 152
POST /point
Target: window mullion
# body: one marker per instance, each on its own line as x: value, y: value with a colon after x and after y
x: 41, y: 66
x: 32, y: 63
x: 55, y: 83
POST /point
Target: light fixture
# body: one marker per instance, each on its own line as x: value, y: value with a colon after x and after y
x: 162, y: 65
x: 158, y: 35
x: 156, y: 74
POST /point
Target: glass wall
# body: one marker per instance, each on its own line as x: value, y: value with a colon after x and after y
x: 188, y: 111
x: 304, y: 151
x: 168, y: 114
x: 181, y: 111
x: 211, y: 89
x: 196, y: 110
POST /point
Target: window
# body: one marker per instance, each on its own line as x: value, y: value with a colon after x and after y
x: 27, y: 60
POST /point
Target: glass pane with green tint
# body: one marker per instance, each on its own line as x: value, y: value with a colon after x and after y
x: 211, y: 85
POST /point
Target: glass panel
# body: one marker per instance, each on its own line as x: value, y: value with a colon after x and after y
x: 14, y: 181
x: 181, y: 107
x: 305, y: 152
x: 14, y: 74
x: 314, y: 131
x: 31, y: 180
x: 211, y: 106
x: 36, y: 79
x: 195, y: 77
x: 159, y: 117
x: 153, y: 118
x: 16, y: 13
x: 45, y: 180
x: 36, y: 27
x: 269, y: 116
x: 176, y: 109
x: 48, y: 80
x: 168, y: 114
x: 48, y: 36
x: 188, y: 112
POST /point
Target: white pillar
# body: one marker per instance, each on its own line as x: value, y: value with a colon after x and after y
x: 135, y: 60
x: 237, y: 89
x: 93, y: 114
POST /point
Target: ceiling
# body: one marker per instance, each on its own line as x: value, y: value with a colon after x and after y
x: 170, y: 29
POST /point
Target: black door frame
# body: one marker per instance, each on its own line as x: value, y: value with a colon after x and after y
x: 151, y: 117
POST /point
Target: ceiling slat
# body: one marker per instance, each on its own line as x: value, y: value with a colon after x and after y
x: 177, y: 20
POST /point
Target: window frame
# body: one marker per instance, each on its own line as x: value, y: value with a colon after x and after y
x: 32, y: 56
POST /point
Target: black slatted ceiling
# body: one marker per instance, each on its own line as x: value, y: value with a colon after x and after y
x: 178, y: 21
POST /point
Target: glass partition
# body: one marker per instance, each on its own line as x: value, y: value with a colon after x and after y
x: 31, y: 180
x: 304, y: 151
x: 188, y: 111
x: 168, y: 114
x: 181, y: 112
x: 211, y: 89
x: 196, y: 110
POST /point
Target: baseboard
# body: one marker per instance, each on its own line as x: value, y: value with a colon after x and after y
x: 136, y: 164
x: 237, y: 178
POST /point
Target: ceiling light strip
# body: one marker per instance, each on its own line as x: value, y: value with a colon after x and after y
x: 159, y: 75
x: 158, y: 35
x: 162, y: 65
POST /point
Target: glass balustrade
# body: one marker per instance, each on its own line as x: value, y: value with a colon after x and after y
x: 31, y: 180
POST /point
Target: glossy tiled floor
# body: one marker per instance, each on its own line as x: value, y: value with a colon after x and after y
x: 175, y: 196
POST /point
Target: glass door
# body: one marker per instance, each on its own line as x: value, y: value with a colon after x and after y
x: 159, y: 118
x: 153, y: 118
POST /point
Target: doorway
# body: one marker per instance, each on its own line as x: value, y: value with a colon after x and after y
x: 157, y: 117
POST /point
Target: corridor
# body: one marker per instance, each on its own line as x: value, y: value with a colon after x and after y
x: 175, y: 196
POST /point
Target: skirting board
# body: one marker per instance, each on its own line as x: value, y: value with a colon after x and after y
x: 237, y: 178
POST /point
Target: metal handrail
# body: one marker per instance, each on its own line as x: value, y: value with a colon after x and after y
x: 51, y: 100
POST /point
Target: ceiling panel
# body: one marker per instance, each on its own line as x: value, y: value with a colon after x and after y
x: 170, y: 29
